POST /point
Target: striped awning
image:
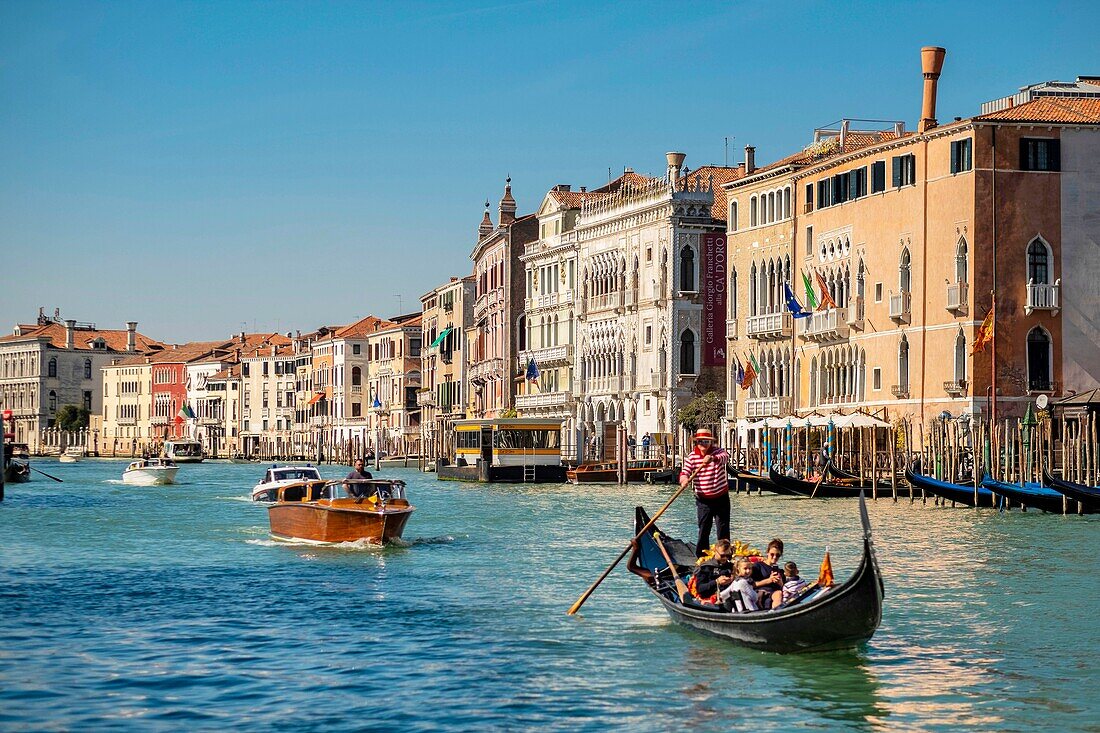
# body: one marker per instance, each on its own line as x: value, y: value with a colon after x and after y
x: 442, y: 335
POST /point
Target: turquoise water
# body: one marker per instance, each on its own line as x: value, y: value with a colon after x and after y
x: 163, y: 608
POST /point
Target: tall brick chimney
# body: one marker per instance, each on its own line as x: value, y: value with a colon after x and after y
x: 131, y: 335
x: 931, y: 61
x: 507, y: 204
x: 750, y: 159
x: 70, y: 326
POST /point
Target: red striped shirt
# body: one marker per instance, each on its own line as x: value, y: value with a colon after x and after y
x: 711, y: 481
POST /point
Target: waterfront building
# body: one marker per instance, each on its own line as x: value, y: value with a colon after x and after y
x: 447, y: 312
x: 125, y: 421
x: 267, y: 399
x: 904, y: 236
x: 393, y: 380
x: 550, y: 309
x: 350, y: 401
x: 221, y: 410
x: 498, y: 331
x: 52, y: 363
x: 650, y: 258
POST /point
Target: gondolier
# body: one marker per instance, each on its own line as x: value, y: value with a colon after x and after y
x: 712, y: 495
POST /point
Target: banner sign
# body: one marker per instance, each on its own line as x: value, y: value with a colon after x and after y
x: 714, y: 299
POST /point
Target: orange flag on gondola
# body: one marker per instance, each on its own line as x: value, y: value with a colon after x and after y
x: 825, y: 576
x: 984, y: 335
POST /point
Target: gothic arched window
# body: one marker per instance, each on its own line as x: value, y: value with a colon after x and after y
x: 687, y: 352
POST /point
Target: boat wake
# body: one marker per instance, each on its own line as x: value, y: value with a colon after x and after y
x: 247, y: 498
x: 351, y: 546
x: 445, y: 539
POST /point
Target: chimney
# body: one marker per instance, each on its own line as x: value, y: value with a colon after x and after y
x: 241, y: 336
x: 750, y: 159
x: 844, y: 125
x: 675, y: 163
x: 507, y: 204
x: 931, y: 61
x: 131, y: 335
x: 69, y: 326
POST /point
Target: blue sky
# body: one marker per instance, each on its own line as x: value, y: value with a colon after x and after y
x: 203, y: 165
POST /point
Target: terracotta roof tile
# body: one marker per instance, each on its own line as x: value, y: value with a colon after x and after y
x: 115, y: 339
x: 573, y: 199
x: 360, y: 328
x: 1070, y: 110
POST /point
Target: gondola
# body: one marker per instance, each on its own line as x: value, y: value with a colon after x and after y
x: 957, y: 493
x: 1032, y: 495
x: 759, y: 482
x: 826, y: 490
x: 1087, y: 496
x: 840, y: 617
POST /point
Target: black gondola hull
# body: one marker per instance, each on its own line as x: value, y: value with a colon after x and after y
x: 1033, y: 496
x: 845, y: 616
x: 1087, y: 496
x: 952, y: 492
x: 826, y: 490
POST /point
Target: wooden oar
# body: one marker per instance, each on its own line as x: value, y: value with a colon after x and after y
x: 55, y: 478
x: 824, y: 471
x: 592, y: 588
x: 681, y: 586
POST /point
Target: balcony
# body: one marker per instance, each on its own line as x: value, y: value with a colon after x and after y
x: 769, y: 326
x: 1043, y: 297
x: 827, y: 325
x: 612, y: 384
x: 448, y: 306
x: 1040, y: 384
x: 548, y: 356
x: 900, y: 391
x: 957, y: 296
x: 807, y: 207
x: 425, y: 399
x: 855, y: 313
x: 357, y: 389
x: 543, y: 399
x: 482, y: 371
x: 128, y: 420
x: 901, y: 306
x: 631, y: 297
x: 607, y: 301
x: 955, y: 388
x: 731, y: 409
x: 548, y: 300
x: 767, y: 406
x: 731, y: 328
x: 656, y: 381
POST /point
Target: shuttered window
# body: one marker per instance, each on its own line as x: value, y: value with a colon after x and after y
x: 1040, y: 154
x: 904, y: 169
x: 878, y: 176
x: 961, y: 156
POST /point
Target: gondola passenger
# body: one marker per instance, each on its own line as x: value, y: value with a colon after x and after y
x: 794, y: 585
x: 767, y: 577
x: 742, y: 594
x: 714, y: 574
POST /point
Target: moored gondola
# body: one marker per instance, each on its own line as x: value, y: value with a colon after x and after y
x: 958, y: 493
x: 759, y: 482
x: 1087, y: 496
x: 842, y: 616
x: 824, y: 490
x: 1032, y: 495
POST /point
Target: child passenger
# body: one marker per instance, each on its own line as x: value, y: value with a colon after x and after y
x: 794, y: 584
x: 743, y: 586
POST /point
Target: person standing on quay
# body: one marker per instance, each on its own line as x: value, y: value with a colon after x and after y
x: 712, y: 491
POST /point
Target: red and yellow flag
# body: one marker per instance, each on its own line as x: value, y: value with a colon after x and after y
x: 984, y: 335
x: 825, y: 576
x: 826, y: 299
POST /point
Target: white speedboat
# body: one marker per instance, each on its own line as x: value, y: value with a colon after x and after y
x: 184, y: 451
x: 71, y: 455
x: 279, y: 477
x: 150, y: 472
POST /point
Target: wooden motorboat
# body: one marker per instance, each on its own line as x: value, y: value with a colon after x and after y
x: 374, y: 510
x: 277, y: 478
x: 842, y: 616
x: 608, y: 473
x: 71, y: 455
x: 1087, y: 496
x: 150, y: 472
x: 958, y: 493
x: 1033, y: 495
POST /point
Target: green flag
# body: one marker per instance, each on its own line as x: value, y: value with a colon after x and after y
x: 811, y: 299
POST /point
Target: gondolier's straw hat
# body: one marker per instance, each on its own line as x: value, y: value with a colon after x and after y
x: 703, y: 434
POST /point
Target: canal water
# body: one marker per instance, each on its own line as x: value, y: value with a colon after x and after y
x: 129, y: 608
